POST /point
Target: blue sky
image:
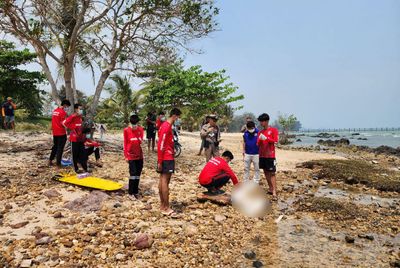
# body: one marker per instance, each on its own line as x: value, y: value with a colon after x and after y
x: 331, y: 63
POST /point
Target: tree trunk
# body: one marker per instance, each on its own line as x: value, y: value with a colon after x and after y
x: 96, y: 98
x: 46, y: 70
x: 74, y: 92
x: 68, y: 69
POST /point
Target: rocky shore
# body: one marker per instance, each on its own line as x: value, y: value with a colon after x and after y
x: 323, y: 218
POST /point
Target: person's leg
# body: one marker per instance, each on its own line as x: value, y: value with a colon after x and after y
x: 247, y: 163
x: 75, y: 154
x: 97, y: 153
x: 201, y: 147
x: 82, y: 156
x: 13, y: 125
x: 133, y: 177
x: 54, y: 149
x: 208, y: 153
x: 256, y: 161
x: 60, y: 148
x: 153, y: 143
x: 271, y: 178
x: 221, y: 181
x: 164, y: 191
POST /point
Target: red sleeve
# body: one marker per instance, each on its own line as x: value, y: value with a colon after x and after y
x: 68, y: 121
x: 231, y: 174
x: 125, y: 143
x: 259, y: 142
x: 161, y: 143
x: 274, y: 137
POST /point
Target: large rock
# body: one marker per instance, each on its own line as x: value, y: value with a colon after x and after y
x: 219, y: 218
x: 333, y: 143
x: 143, y: 241
x: 52, y: 193
x: 89, y: 202
x: 19, y: 225
x: 43, y: 241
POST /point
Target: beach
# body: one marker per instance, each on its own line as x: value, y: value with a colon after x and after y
x: 320, y: 219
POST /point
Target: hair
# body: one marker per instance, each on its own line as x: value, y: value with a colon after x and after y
x: 250, y: 124
x: 248, y: 117
x: 134, y: 119
x: 227, y: 154
x: 175, y: 111
x: 263, y: 117
x: 77, y: 105
x: 65, y: 102
x: 149, y: 113
x: 161, y: 113
x: 86, y: 130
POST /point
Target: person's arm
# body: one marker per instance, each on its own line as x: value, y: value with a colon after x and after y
x: 125, y: 144
x: 162, y: 134
x: 231, y: 174
x: 3, y: 112
x: 204, y: 131
x: 13, y: 105
x: 273, y: 138
x: 67, y: 123
x: 243, y: 146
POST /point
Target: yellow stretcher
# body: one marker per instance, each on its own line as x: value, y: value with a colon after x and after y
x: 89, y: 181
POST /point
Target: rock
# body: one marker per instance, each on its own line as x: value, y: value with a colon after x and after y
x: 349, y: 239
x: 8, y: 206
x: 298, y: 140
x: 4, y: 182
x: 43, y: 241
x: 374, y: 162
x: 25, y: 263
x: 89, y: 202
x: 333, y: 143
x: 250, y: 255
x: 120, y: 256
x: 148, y: 207
x: 117, y: 205
x: 351, y: 180
x: 68, y: 243
x: 191, y: 230
x: 58, y: 215
x: 219, y: 218
x: 19, y: 225
x: 52, y: 193
x: 257, y: 264
x: 366, y: 236
x: 143, y: 241
x: 395, y: 263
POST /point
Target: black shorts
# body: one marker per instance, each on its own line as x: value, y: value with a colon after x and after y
x: 168, y: 166
x: 268, y: 164
x: 135, y: 167
x: 151, y: 133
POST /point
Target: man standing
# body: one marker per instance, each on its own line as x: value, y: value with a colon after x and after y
x: 267, y: 138
x: 59, y: 132
x: 151, y: 130
x: 210, y: 132
x: 166, y: 161
x: 7, y: 111
x: 244, y: 127
x: 250, y: 152
x: 216, y: 173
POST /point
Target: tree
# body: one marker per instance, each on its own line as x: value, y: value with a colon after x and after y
x: 287, y: 122
x: 239, y: 120
x: 123, y: 101
x: 22, y: 85
x: 105, y: 35
x: 201, y: 92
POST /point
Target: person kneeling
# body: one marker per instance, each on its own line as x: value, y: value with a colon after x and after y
x: 216, y: 173
x: 91, y: 147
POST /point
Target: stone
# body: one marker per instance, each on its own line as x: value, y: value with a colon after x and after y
x: 349, y: 239
x: 366, y: 236
x: 89, y: 202
x: 43, y: 241
x: 19, y: 225
x: 58, y: 215
x: 25, y: 263
x: 52, y: 193
x: 117, y: 205
x: 120, y: 256
x: 143, y: 241
x: 257, y: 264
x: 191, y: 230
x: 249, y: 254
x: 8, y: 206
x: 219, y: 218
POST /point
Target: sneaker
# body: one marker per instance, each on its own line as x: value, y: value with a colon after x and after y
x: 219, y: 191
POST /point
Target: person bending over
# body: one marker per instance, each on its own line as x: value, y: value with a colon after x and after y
x: 217, y: 173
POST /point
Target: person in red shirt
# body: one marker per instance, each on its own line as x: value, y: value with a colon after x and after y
x: 216, y: 173
x: 133, y: 153
x: 92, y: 146
x: 166, y: 162
x: 59, y: 132
x: 266, y: 140
x: 77, y: 138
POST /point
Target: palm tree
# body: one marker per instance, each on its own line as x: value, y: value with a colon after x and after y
x: 123, y: 100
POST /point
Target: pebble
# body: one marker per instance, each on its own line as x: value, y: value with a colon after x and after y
x: 43, y: 241
x: 366, y: 236
x: 143, y: 241
x: 120, y: 256
x: 191, y: 230
x: 257, y: 264
x: 250, y: 255
x: 58, y: 215
x: 25, y: 263
x: 219, y: 218
x: 349, y: 239
x: 19, y: 225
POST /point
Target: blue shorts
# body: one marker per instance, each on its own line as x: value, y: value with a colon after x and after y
x: 9, y: 118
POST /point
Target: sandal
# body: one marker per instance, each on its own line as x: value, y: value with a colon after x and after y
x: 170, y: 213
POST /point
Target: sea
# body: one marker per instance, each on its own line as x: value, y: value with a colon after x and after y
x: 371, y: 139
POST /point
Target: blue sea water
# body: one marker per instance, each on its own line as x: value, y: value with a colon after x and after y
x: 374, y: 138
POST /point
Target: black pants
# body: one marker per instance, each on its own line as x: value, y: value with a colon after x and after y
x: 58, y: 148
x: 92, y: 150
x: 135, y: 170
x: 79, y: 155
x: 218, y: 182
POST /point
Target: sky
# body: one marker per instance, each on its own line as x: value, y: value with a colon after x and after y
x: 333, y: 64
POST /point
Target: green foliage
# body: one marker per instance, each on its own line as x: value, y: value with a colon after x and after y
x: 201, y: 92
x: 123, y: 101
x: 21, y: 85
x: 287, y: 123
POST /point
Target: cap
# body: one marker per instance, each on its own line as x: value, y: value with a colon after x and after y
x: 213, y: 116
x: 9, y: 98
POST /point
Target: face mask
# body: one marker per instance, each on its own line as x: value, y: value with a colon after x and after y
x: 66, y: 109
x: 134, y: 125
x: 252, y: 130
x: 162, y: 118
x: 80, y: 112
x: 88, y: 136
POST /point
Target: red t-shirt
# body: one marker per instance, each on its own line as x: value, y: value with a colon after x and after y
x: 165, y: 144
x: 57, y: 118
x: 158, y: 123
x: 215, y: 167
x: 133, y: 138
x: 91, y: 143
x: 267, y: 147
x: 74, y: 123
